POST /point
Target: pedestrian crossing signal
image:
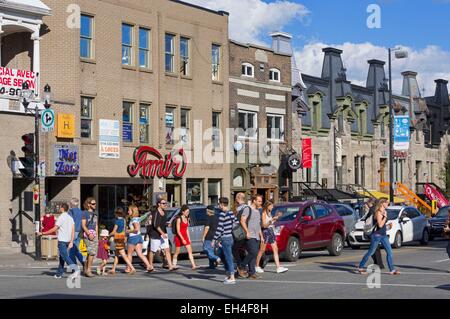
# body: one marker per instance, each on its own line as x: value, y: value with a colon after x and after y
x: 28, y: 160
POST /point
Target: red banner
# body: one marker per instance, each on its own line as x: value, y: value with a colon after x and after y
x: 434, y: 194
x: 306, y: 153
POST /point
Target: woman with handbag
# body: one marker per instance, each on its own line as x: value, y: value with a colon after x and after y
x: 119, y: 240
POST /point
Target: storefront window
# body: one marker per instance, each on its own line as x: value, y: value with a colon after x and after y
x: 214, y: 191
x: 194, y: 191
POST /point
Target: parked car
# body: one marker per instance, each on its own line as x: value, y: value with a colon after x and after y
x: 310, y: 225
x: 437, y: 222
x: 405, y: 224
x: 349, y: 215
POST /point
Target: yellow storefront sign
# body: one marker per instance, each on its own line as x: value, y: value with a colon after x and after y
x: 65, y: 126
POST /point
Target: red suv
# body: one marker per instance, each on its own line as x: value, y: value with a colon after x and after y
x: 310, y: 225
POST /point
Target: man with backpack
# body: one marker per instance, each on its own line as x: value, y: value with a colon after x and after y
x: 239, y: 236
x: 89, y: 224
x: 251, y: 223
x: 77, y: 215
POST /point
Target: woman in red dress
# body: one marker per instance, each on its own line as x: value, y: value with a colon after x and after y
x: 182, y: 236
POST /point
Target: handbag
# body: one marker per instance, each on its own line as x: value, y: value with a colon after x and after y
x: 82, y: 248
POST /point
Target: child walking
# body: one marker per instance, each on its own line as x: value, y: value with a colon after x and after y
x: 103, y: 251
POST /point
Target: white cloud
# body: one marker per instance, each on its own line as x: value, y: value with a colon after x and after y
x: 251, y: 20
x: 431, y: 63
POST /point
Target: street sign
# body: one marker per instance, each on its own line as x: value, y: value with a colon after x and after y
x: 48, y: 120
x: 401, y: 132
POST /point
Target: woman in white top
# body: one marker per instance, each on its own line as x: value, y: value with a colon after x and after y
x: 268, y: 230
x: 135, y: 240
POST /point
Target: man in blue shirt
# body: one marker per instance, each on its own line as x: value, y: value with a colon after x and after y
x: 76, y: 213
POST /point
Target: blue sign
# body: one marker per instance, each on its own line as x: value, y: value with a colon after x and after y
x: 401, y: 132
x: 127, y: 132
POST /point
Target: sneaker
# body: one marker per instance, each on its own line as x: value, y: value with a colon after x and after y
x: 228, y: 281
x: 281, y: 270
x: 259, y: 270
x: 74, y: 275
x: 254, y: 277
x: 218, y: 262
x: 57, y: 276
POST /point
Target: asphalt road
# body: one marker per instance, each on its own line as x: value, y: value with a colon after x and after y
x: 425, y: 275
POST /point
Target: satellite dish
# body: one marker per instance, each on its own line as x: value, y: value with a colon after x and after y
x: 238, y: 146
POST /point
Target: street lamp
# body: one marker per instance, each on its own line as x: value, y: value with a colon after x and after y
x: 26, y: 96
x: 399, y: 54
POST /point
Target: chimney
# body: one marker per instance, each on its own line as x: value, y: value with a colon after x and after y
x: 282, y: 43
x: 376, y: 76
x: 441, y: 95
x: 332, y: 63
x: 410, y: 86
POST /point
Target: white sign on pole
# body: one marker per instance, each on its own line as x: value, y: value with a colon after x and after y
x: 109, y: 139
x: 48, y: 120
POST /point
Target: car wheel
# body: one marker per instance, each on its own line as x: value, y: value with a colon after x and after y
x: 293, y: 249
x: 425, y: 237
x: 398, y: 240
x: 336, y: 245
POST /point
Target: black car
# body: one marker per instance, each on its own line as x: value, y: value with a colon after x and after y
x: 437, y: 222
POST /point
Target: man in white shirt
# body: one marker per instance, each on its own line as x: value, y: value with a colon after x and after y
x: 66, y: 233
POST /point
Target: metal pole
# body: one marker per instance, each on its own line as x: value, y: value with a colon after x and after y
x: 37, y: 206
x: 391, y: 137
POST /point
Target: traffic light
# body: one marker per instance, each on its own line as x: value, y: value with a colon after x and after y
x: 28, y: 160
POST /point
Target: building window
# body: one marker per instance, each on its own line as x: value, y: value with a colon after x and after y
x: 357, y: 180
x: 274, y: 75
x: 341, y: 122
x: 127, y: 122
x: 86, y: 117
x: 170, y: 53
x: 170, y: 124
x: 214, y: 191
x: 316, y: 168
x: 144, y: 48
x: 184, y: 125
x: 184, y: 56
x: 238, y: 178
x: 398, y: 168
x: 216, y: 129
x: 362, y: 120
x: 127, y: 44
x: 215, y: 62
x: 248, y: 124
x: 86, y: 36
x: 144, y: 122
x: 194, y: 189
x: 275, y: 126
x: 363, y: 171
x: 247, y: 69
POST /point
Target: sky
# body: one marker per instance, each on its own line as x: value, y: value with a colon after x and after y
x: 422, y: 27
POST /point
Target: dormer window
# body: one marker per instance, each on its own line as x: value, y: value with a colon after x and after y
x: 247, y: 70
x: 274, y: 75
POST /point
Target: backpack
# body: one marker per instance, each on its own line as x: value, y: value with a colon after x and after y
x: 173, y: 224
x: 238, y: 231
x: 369, y: 225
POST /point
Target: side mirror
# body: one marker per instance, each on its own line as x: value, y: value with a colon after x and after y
x: 307, y: 218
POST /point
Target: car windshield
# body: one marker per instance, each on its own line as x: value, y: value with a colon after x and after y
x: 392, y: 214
x: 443, y: 212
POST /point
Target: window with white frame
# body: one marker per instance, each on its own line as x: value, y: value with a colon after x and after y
x: 127, y: 44
x: 144, y: 122
x: 215, y: 62
x: 274, y: 75
x: 144, y: 48
x: 86, y: 117
x: 170, y: 52
x: 127, y: 122
x: 86, y: 36
x: 248, y: 123
x: 184, y: 125
x: 247, y: 69
x: 170, y: 124
x: 216, y: 129
x: 275, y: 126
x: 184, y: 56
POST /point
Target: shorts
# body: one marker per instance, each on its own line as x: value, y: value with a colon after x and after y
x: 91, y: 246
x: 134, y: 240
x: 269, y: 236
x: 157, y: 244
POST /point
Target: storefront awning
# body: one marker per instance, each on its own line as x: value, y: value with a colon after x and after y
x: 378, y: 195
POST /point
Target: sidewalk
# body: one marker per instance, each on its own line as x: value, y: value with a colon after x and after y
x: 11, y: 259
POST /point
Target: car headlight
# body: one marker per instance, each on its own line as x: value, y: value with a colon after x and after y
x: 278, y: 230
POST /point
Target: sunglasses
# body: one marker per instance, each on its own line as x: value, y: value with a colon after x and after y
x: 93, y: 203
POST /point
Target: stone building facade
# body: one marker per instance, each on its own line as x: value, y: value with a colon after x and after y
x: 124, y: 75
